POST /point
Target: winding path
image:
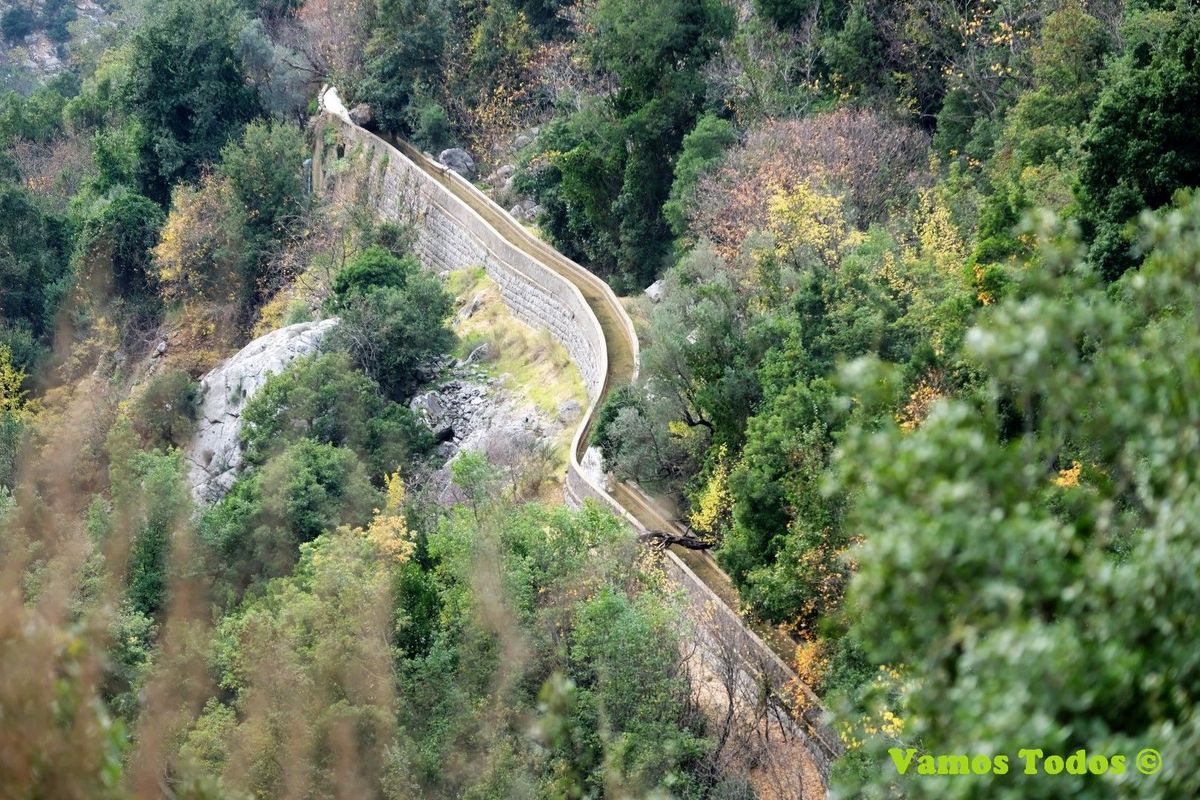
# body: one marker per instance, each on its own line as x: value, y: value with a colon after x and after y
x: 763, y: 652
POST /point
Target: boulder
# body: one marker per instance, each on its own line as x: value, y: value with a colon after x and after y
x: 471, y: 308
x: 429, y: 407
x: 656, y: 291
x: 458, y: 160
x: 362, y: 115
x: 525, y: 211
x: 502, y: 174
x: 480, y: 353
x: 214, y: 454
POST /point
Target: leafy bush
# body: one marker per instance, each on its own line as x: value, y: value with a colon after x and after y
x: 17, y: 23
x: 325, y: 399
x: 118, y: 237
x: 34, y: 248
x: 187, y: 89
x: 1139, y: 147
x: 310, y: 487
x: 1008, y: 615
x: 11, y: 429
x: 390, y: 332
x: 374, y: 268
x: 150, y: 502
x: 164, y: 412
x: 56, y: 16
x: 264, y: 172
x: 702, y: 148
x: 601, y: 433
x: 430, y: 126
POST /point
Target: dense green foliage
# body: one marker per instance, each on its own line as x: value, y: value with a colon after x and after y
x: 942, y: 437
x: 264, y: 173
x: 187, y: 90
x: 611, y: 171
x: 33, y: 262
x: 307, y: 488
x: 374, y: 268
x: 1139, y: 148
x: 164, y: 411
x: 1010, y: 617
x: 504, y: 619
x: 120, y: 231
x: 323, y: 398
x: 939, y: 523
x: 404, y: 53
x: 393, y: 318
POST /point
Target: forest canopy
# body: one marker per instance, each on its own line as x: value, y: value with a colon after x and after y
x: 914, y: 285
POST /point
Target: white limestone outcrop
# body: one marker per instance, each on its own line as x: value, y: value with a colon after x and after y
x: 214, y: 454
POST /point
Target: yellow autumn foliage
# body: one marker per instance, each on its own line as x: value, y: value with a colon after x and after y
x: 1068, y: 477
x: 812, y: 662
x: 715, y: 501
x: 12, y: 396
x: 882, y: 719
x: 921, y: 400
x: 802, y: 219
x: 938, y: 237
x: 196, y: 248
x: 388, y: 530
x: 679, y: 428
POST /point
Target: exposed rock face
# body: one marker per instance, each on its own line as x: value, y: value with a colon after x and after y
x: 656, y: 291
x: 469, y: 310
x: 503, y: 175
x: 458, y: 160
x: 474, y: 413
x: 593, y: 467
x: 214, y: 454
x: 569, y: 411
x: 524, y: 139
x: 362, y: 115
x: 527, y: 210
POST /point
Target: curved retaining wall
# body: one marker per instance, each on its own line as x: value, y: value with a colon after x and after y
x: 452, y: 234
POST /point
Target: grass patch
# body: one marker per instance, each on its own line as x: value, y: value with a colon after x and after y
x: 539, y: 368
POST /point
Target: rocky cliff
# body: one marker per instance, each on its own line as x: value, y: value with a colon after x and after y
x: 214, y: 454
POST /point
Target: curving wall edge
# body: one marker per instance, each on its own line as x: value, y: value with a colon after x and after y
x: 453, y: 234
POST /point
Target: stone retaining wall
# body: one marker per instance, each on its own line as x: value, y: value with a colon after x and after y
x: 728, y: 634
x: 452, y: 235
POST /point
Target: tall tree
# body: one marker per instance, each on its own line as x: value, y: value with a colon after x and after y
x: 612, y: 170
x: 187, y: 87
x: 1141, y: 145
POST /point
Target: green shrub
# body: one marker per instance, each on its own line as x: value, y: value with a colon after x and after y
x: 164, y: 412
x: 325, y: 399
x: 310, y: 487
x: 17, y: 23
x: 431, y: 126
x: 374, y: 268
x: 391, y: 332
